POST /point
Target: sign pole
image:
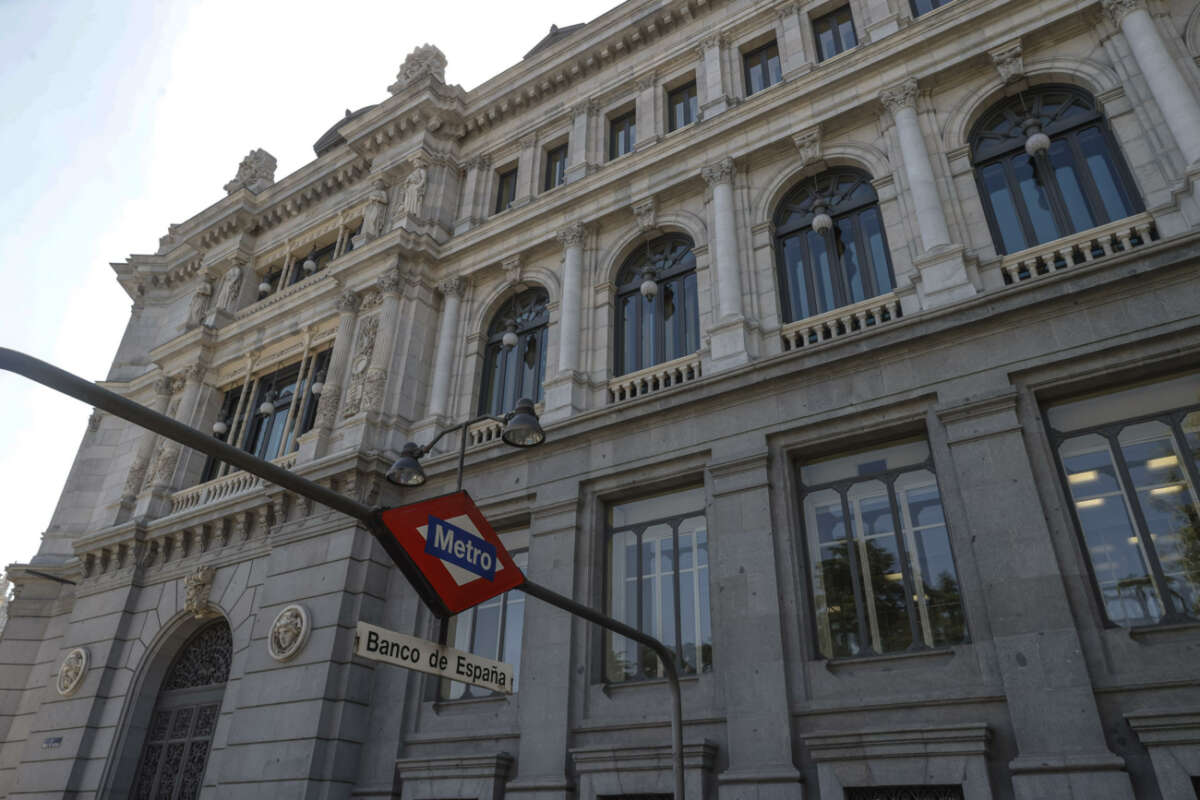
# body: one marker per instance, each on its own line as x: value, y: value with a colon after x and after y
x: 81, y: 389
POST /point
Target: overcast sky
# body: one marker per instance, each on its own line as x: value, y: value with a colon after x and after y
x: 117, y: 119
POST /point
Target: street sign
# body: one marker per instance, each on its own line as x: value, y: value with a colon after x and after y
x: 381, y: 644
x: 455, y: 548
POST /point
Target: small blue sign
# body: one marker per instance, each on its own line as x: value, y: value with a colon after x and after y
x: 460, y: 548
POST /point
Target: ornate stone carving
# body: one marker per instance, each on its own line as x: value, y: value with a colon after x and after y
x: 902, y: 95
x: 348, y: 302
x: 390, y: 281
x: 164, y: 386
x: 133, y: 481
x: 719, y: 172
x: 256, y: 172
x: 647, y: 82
x: 646, y: 212
x: 199, y: 305
x: 363, y: 348
x: 1118, y: 9
x: 423, y: 61
x: 375, y: 214
x: 167, y: 458
x: 327, y: 407
x: 527, y: 141
x: 71, y: 671
x: 1008, y: 62
x: 480, y: 163
x: 289, y: 632
x: 230, y: 288
x: 198, y: 586
x: 808, y: 142
x: 512, y: 269
x: 572, y: 235
x: 94, y: 420
x: 452, y: 286
x: 414, y: 189
x: 373, y: 388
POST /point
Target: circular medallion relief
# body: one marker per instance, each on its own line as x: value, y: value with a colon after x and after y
x: 289, y: 632
x: 359, y: 365
x: 71, y: 671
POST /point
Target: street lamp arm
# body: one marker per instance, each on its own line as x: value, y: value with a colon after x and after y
x: 429, y: 447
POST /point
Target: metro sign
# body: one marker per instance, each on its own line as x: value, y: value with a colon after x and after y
x: 455, y: 549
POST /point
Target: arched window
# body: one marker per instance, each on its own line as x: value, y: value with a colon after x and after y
x: 843, y: 257
x: 665, y: 326
x: 510, y: 373
x: 1078, y: 182
x: 185, y: 715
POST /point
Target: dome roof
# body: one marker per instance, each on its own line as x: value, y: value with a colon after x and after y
x: 331, y: 138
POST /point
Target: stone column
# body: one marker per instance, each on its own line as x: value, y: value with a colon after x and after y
x: 448, y: 334
x: 719, y: 177
x: 472, y: 187
x: 144, y: 452
x: 792, y: 47
x: 389, y: 285
x: 712, y: 89
x: 650, y: 123
x: 570, y: 309
x: 578, y: 145
x: 167, y: 477
x: 1051, y: 703
x: 527, y: 169
x: 901, y: 102
x: 1179, y: 105
x: 313, y: 444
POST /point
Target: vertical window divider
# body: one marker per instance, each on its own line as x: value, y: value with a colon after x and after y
x: 906, y: 568
x: 301, y: 374
x: 679, y: 664
x: 641, y: 577
x: 1143, y: 529
x: 245, y: 404
x: 866, y: 639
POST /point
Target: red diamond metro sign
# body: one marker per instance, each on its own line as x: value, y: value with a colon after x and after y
x: 455, y: 548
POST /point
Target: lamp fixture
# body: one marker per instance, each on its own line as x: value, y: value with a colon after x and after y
x: 1035, y: 140
x: 220, y: 428
x: 821, y: 221
x: 264, y: 287
x: 318, y: 384
x: 521, y: 426
x: 509, y: 340
x: 310, y: 263
x: 407, y: 469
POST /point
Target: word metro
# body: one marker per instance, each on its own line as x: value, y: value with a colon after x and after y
x: 371, y: 641
x: 460, y: 547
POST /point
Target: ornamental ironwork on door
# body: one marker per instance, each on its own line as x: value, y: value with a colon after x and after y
x: 185, y: 715
x: 905, y: 793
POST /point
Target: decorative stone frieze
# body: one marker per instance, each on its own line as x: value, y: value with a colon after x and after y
x: 256, y: 172
x: 72, y: 671
x: 424, y: 61
x: 198, y: 586
x: 289, y: 632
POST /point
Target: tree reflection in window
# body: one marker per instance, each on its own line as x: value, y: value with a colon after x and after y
x: 886, y: 582
x: 512, y: 373
x: 666, y: 326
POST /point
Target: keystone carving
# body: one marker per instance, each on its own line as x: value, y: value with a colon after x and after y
x: 512, y: 269
x: 423, y: 61
x: 198, y: 586
x: 256, y: 172
x: 1007, y: 60
x: 808, y: 142
x: 646, y: 212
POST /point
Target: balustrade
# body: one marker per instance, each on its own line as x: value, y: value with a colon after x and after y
x: 1077, y: 249
x: 840, y: 322
x: 654, y: 379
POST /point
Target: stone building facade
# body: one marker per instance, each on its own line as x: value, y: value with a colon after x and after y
x: 864, y: 338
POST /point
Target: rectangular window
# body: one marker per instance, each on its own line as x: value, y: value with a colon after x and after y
x: 622, y: 135
x: 283, y: 408
x: 904, y: 793
x: 883, y: 575
x: 920, y: 7
x: 834, y: 32
x: 556, y: 167
x: 1130, y: 467
x: 658, y: 583
x: 762, y: 68
x: 493, y: 630
x: 506, y: 190
x: 681, y: 106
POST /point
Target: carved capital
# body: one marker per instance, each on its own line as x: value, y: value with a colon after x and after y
x: 195, y: 372
x: 480, y: 163
x: 789, y: 8
x: 718, y: 172
x: 902, y: 95
x: 572, y: 235
x: 390, y: 282
x: 808, y: 142
x: 1007, y: 60
x: 164, y: 386
x: 1117, y: 10
x: 348, y: 302
x: 646, y: 212
x: 648, y: 81
x: 452, y: 287
x: 527, y: 141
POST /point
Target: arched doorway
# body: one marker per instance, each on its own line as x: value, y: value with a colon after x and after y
x: 180, y: 734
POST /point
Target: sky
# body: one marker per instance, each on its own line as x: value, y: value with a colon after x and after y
x: 118, y: 118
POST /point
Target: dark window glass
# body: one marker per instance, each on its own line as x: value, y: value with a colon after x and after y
x: 761, y: 68
x: 1079, y: 183
x: 681, y: 106
x: 834, y: 32
x: 1131, y: 476
x: 666, y: 326
x: 320, y: 257
x: 492, y: 629
x: 622, y: 135
x: 883, y: 575
x: 512, y: 373
x: 556, y: 167
x: 658, y: 583
x: 904, y: 793
x: 847, y: 264
x: 920, y: 7
x: 506, y: 190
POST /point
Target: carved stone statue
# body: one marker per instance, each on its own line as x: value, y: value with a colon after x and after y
x: 256, y: 172
x: 199, y: 306
x: 198, y: 586
x: 230, y: 289
x: 71, y: 673
x: 425, y: 60
x: 375, y: 214
x: 289, y: 631
x: 414, y: 190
